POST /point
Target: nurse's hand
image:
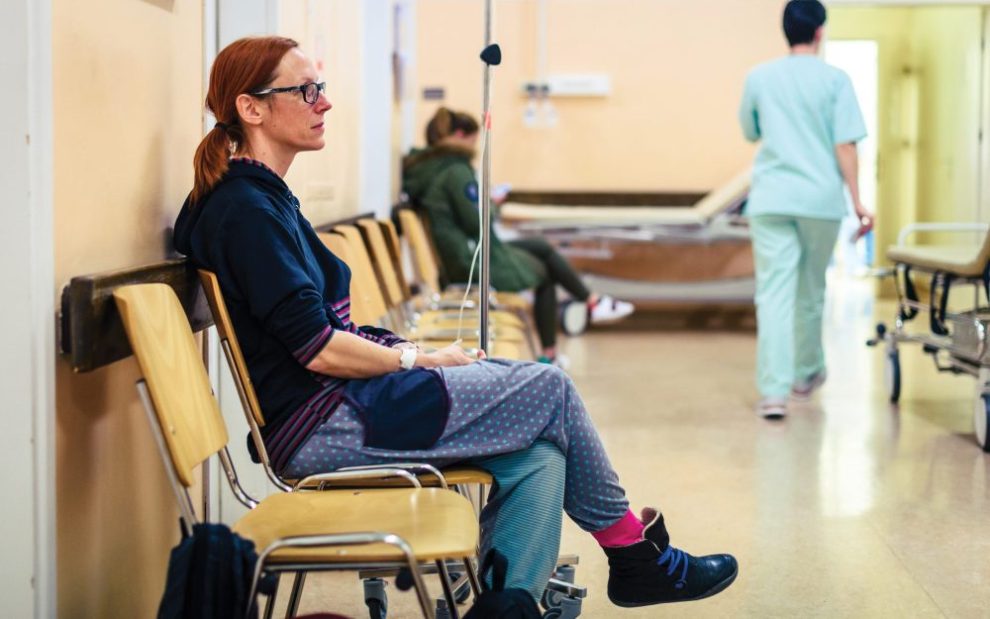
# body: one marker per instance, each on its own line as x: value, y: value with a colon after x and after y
x: 866, y: 221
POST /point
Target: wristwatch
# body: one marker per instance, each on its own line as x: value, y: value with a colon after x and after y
x: 407, y: 359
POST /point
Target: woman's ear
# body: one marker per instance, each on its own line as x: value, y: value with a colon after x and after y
x: 250, y: 110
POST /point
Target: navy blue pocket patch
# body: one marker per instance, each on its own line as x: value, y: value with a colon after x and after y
x: 402, y: 411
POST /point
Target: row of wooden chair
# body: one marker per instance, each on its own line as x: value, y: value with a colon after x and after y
x: 374, y: 274
x: 421, y: 524
x: 301, y: 529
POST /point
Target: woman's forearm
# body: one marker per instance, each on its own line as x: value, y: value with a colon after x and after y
x: 351, y: 356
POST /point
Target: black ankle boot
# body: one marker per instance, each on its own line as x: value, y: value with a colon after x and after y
x: 652, y: 571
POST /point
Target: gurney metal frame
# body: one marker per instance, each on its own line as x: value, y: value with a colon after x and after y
x: 958, y: 341
x: 592, y: 232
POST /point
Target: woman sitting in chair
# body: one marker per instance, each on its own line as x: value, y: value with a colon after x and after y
x: 440, y: 180
x: 335, y: 394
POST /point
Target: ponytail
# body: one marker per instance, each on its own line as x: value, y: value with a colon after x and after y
x: 448, y: 122
x: 244, y: 66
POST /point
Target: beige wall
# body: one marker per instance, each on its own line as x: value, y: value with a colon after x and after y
x: 929, y: 100
x: 329, y: 31
x: 127, y: 107
x: 677, y: 69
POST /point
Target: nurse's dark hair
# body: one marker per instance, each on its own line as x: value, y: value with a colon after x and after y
x: 801, y: 19
x: 448, y: 122
x: 245, y: 66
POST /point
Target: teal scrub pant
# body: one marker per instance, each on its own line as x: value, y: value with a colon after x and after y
x: 791, y: 254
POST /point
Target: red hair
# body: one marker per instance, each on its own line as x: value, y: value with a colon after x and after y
x: 246, y: 65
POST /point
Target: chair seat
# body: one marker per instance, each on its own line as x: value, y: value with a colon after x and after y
x: 469, y: 326
x: 498, y: 318
x: 509, y: 301
x: 453, y: 475
x: 437, y: 524
x: 961, y: 260
x: 463, y: 475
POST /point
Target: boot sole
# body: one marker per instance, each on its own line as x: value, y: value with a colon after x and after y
x: 717, y: 588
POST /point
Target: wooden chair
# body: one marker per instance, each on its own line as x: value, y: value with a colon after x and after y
x: 505, y: 326
x: 428, y: 273
x: 428, y: 475
x: 428, y: 279
x: 294, y: 531
x: 392, y: 278
x: 506, y: 341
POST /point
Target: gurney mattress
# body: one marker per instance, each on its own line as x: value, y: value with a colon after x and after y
x: 964, y: 260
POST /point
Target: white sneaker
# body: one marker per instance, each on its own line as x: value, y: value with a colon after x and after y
x: 772, y: 408
x: 802, y: 390
x: 609, y: 310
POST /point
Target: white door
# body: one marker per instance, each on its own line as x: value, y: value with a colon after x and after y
x: 27, y: 357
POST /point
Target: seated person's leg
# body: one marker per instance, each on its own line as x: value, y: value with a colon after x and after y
x: 523, y: 516
x: 559, y: 269
x: 603, y: 307
x: 545, y: 315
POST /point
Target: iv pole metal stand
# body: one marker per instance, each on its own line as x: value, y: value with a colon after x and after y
x: 491, y: 56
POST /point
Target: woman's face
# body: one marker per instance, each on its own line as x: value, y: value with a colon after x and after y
x: 293, y: 123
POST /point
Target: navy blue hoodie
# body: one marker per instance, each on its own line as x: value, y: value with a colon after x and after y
x: 285, y: 291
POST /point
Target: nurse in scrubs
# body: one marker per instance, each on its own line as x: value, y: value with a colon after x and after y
x: 805, y: 115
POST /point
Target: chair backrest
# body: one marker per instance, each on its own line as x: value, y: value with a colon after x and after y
x: 370, y: 305
x: 225, y: 329
x: 426, y: 268
x: 377, y: 247
x: 172, y: 366
x: 395, y: 251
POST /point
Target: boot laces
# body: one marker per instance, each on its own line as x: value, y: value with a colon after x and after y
x: 674, y: 558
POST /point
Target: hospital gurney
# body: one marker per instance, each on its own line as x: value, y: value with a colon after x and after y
x: 958, y: 341
x: 658, y: 254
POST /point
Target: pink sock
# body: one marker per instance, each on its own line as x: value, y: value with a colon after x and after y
x: 628, y: 530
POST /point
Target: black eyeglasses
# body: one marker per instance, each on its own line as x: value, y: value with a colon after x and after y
x: 310, y: 92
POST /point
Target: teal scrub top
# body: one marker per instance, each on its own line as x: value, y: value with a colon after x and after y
x: 799, y: 108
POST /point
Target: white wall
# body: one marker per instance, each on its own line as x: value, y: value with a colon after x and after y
x: 376, y: 111
x: 27, y: 563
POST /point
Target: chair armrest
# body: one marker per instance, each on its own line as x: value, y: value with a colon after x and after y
x: 320, y: 480
x: 417, y: 468
x: 910, y: 229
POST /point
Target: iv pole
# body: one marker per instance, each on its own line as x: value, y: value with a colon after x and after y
x: 491, y: 56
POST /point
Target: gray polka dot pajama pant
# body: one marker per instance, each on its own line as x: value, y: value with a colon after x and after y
x: 503, y: 415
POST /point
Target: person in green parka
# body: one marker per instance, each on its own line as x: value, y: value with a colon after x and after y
x: 441, y: 180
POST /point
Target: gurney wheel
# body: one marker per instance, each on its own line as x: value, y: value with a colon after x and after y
x: 981, y: 421
x: 574, y: 317
x: 892, y: 375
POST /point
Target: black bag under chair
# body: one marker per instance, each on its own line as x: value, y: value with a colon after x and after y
x: 498, y: 602
x: 209, y: 575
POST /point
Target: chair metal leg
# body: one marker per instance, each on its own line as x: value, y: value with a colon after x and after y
x: 472, y: 576
x: 270, y: 602
x: 296, y: 595
x: 448, y: 592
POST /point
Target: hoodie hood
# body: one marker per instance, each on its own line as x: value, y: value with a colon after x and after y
x: 239, y: 170
x: 422, y: 166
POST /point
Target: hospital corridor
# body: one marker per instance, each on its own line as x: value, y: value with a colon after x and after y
x: 495, y: 309
x: 851, y: 508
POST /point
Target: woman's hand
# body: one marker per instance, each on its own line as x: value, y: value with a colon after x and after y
x: 448, y: 356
